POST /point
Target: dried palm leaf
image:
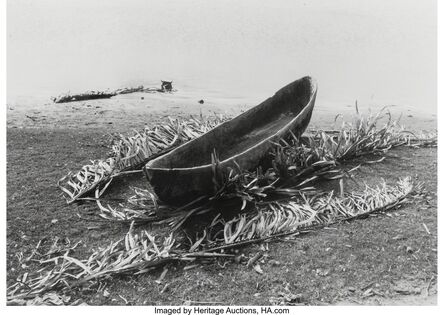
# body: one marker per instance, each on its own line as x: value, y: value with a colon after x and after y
x: 131, y: 153
x: 139, y: 252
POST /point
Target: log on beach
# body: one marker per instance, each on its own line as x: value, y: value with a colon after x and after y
x: 83, y: 97
x: 91, y: 95
x: 130, y: 90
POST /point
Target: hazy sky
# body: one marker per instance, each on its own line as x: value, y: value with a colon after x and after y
x: 383, y: 50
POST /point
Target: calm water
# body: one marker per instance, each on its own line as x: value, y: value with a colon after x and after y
x: 381, y: 52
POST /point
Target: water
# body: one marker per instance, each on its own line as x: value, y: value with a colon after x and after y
x: 379, y: 52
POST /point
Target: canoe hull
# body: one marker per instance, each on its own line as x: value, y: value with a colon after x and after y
x: 186, y: 172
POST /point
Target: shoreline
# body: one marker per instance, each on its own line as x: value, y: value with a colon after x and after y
x: 124, y: 113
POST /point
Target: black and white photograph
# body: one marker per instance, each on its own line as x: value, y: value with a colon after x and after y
x: 220, y: 157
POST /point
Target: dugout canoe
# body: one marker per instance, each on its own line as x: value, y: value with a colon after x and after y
x: 186, y: 173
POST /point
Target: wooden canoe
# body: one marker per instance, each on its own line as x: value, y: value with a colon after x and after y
x: 185, y: 173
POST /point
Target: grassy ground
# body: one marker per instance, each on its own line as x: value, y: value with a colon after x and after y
x: 376, y: 260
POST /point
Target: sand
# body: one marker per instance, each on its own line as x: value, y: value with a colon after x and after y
x: 52, y: 139
x: 123, y: 113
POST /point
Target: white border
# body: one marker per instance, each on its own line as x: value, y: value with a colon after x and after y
x: 148, y: 310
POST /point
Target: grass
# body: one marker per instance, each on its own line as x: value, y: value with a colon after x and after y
x: 8, y: 184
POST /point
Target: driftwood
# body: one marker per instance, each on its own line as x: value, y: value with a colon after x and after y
x: 166, y: 86
x: 83, y: 97
x: 130, y: 90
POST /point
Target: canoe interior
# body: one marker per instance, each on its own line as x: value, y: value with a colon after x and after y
x: 246, y: 130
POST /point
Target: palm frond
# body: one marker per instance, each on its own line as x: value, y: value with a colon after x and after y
x: 138, y: 253
x: 131, y: 153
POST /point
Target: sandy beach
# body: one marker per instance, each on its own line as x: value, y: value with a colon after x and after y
x: 53, y: 139
x: 124, y: 113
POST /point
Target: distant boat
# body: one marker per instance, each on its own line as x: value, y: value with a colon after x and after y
x: 186, y: 172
